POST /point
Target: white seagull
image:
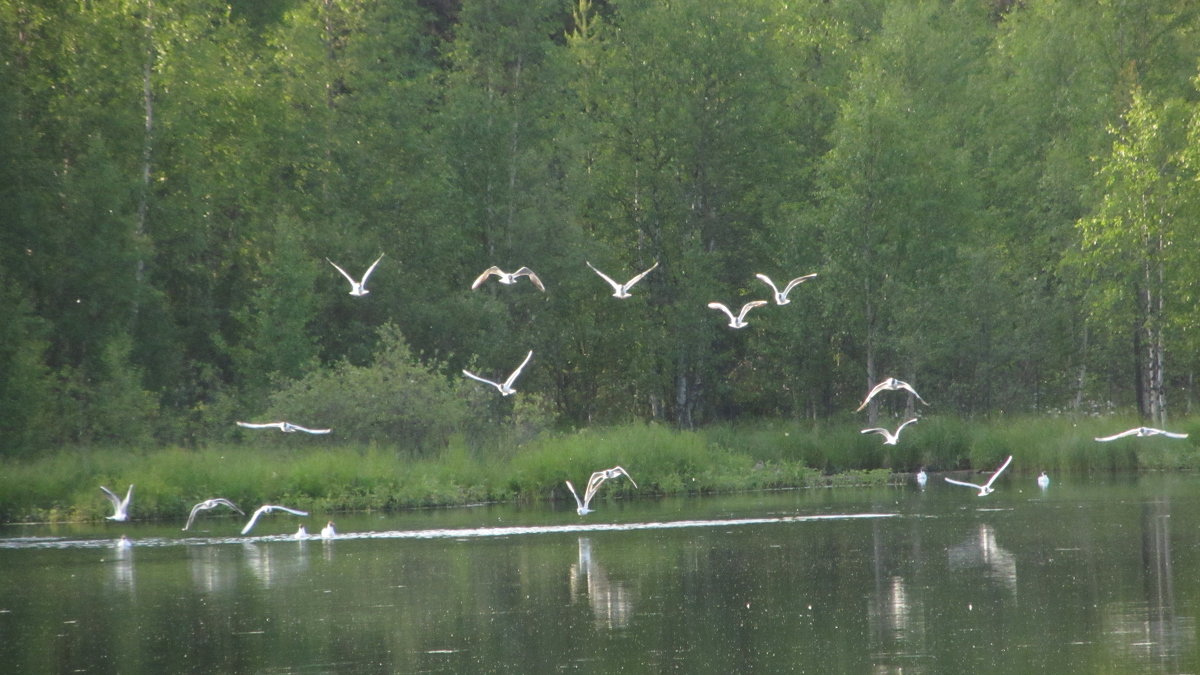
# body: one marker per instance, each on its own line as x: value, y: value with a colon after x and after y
x: 267, y: 508
x: 328, y: 532
x: 594, y: 484
x: 890, y: 384
x: 285, y: 427
x: 922, y: 478
x: 781, y: 297
x: 889, y: 438
x: 739, y: 320
x: 621, y: 290
x: 120, y: 506
x: 301, y: 533
x: 210, y: 504
x: 1043, y: 481
x: 1141, y: 432
x: 508, y: 278
x: 505, y: 387
x: 985, y: 489
x: 357, y: 288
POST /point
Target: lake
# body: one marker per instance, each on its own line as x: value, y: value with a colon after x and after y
x: 1096, y: 574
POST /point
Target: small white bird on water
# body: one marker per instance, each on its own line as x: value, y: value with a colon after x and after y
x: 357, y: 288
x: 985, y: 489
x: 621, y: 290
x: 1043, y: 481
x: 890, y: 384
x: 268, y: 508
x: 508, y: 278
x: 301, y: 533
x: 1142, y: 432
x: 505, y: 387
x: 208, y: 504
x: 594, y: 484
x: 120, y: 506
x: 328, y: 532
x: 285, y: 427
x: 922, y: 478
x: 740, y: 320
x: 781, y: 297
x: 889, y: 438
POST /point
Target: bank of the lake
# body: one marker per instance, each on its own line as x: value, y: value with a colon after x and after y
x: 320, y: 474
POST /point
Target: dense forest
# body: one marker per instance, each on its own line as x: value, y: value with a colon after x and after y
x: 999, y: 199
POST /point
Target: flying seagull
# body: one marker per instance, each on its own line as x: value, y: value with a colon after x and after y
x: 891, y: 384
x: 267, y: 508
x: 781, y: 297
x: 594, y: 484
x: 505, y: 387
x: 739, y: 320
x: 208, y: 504
x: 120, y: 506
x: 889, y: 438
x: 357, y: 288
x: 507, y: 278
x: 1141, y: 432
x: 1043, y: 481
x: 621, y: 290
x: 286, y: 427
x: 985, y: 489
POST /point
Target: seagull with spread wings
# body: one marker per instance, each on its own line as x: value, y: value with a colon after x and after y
x: 781, y: 297
x: 285, y: 427
x: 120, y: 506
x: 889, y: 438
x: 505, y: 387
x: 621, y: 290
x: 738, y: 321
x: 268, y: 508
x: 594, y: 484
x: 207, y: 505
x: 1142, y: 432
x: 890, y: 384
x: 508, y: 278
x: 985, y: 489
x: 357, y: 288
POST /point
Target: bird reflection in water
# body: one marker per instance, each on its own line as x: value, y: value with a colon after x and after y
x: 122, y: 559
x: 896, y: 620
x: 610, y: 600
x: 272, y: 563
x: 210, y: 570
x: 981, y: 550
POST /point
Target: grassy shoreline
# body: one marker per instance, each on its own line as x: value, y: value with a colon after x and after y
x: 63, y: 486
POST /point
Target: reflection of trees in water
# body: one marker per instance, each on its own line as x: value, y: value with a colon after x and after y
x: 1152, y: 631
x: 610, y: 600
x: 273, y: 562
x: 981, y: 550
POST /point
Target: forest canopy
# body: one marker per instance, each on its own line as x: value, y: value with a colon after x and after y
x: 999, y: 199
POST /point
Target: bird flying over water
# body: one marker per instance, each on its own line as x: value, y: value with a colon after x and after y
x: 120, y: 506
x: 621, y: 290
x: 508, y: 278
x: 594, y: 484
x: 268, y: 508
x: 781, y: 297
x: 357, y: 288
x: 1142, y: 432
x: 208, y: 504
x: 889, y: 384
x: 505, y: 387
x: 985, y: 489
x: 889, y: 438
x: 740, y: 320
x: 286, y: 427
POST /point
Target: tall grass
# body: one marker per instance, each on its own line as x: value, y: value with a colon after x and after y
x: 65, y: 486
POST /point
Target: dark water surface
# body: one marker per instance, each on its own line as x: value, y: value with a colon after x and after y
x: 1094, y: 575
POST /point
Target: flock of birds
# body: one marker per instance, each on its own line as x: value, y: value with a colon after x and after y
x: 358, y: 288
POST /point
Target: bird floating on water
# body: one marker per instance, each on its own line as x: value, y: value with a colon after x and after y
x: 1043, y: 481
x: 507, y: 277
x: 889, y: 438
x: 781, y: 297
x: 328, y: 532
x: 738, y: 321
x: 504, y: 387
x: 285, y: 427
x: 301, y: 533
x: 622, y: 290
x: 594, y: 484
x: 357, y: 288
x: 208, y: 504
x: 268, y: 508
x: 985, y: 489
x: 922, y: 478
x: 120, y: 506
x: 1141, y: 432
x: 889, y: 384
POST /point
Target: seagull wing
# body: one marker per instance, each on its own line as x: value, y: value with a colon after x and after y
x: 294, y: 512
x: 796, y: 282
x: 225, y: 502
x: 192, y: 516
x: 959, y: 482
x: 749, y: 306
x: 615, y: 285
x: 1123, y: 434
x: 1173, y: 434
x: 871, y: 394
x: 876, y: 430
x: 116, y: 501
x: 516, y: 373
x: 625, y: 473
x: 266, y: 425
x: 349, y: 278
x: 629, y: 284
x: 526, y: 272
x: 578, y: 503
x: 473, y: 376
x: 908, y: 387
x: 594, y: 484
x: 483, y: 277
x: 265, y: 508
x: 311, y: 431
x: 767, y: 280
x: 998, y: 472
x: 371, y: 269
x: 906, y: 423
x: 723, y: 308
